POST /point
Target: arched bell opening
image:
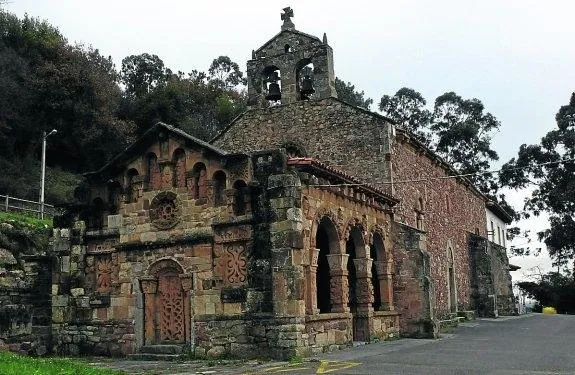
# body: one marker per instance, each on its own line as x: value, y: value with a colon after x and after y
x: 327, y: 241
x: 272, y: 84
x: 305, y: 79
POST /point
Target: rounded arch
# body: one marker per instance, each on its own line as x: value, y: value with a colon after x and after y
x: 199, y: 181
x: 162, y: 265
x: 354, y: 234
x: 327, y: 241
x: 304, y: 73
x: 378, y: 254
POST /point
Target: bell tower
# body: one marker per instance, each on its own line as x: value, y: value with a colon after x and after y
x: 290, y: 67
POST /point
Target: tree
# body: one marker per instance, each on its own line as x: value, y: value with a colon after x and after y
x: 553, y: 289
x: 462, y: 136
x: 225, y: 73
x: 142, y: 73
x: 407, y: 109
x: 347, y: 93
x: 549, y: 167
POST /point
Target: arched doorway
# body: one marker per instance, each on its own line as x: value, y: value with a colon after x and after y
x: 167, y: 308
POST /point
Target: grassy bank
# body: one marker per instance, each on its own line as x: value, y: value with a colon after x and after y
x: 12, y: 364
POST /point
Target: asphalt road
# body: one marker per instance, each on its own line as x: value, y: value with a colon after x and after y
x: 533, y: 344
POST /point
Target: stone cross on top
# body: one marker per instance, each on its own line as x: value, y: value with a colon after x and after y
x: 286, y: 17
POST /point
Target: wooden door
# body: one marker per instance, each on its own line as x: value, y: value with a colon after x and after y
x: 171, y: 316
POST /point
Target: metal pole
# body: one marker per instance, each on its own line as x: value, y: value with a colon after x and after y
x: 43, y: 175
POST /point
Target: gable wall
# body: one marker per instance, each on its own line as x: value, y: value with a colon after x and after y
x: 340, y: 135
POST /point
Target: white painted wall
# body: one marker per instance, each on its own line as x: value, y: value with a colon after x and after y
x: 495, y: 229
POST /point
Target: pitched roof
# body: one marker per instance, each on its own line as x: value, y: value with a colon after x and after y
x: 346, y: 178
x: 148, y: 137
x: 311, y: 37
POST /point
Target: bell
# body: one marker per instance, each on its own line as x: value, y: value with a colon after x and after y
x: 306, y: 87
x: 274, y: 92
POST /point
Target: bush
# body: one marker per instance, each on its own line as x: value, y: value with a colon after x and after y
x: 549, y: 310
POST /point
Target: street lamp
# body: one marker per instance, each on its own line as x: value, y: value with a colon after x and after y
x: 42, y: 180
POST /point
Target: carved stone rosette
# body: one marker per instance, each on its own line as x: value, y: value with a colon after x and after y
x: 164, y: 211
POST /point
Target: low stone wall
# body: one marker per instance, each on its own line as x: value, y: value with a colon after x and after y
x: 385, y: 325
x: 110, y: 338
x: 327, y: 332
x: 249, y: 336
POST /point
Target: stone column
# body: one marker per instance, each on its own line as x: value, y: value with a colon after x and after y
x: 311, y: 277
x: 364, y: 289
x: 149, y: 287
x: 385, y: 278
x: 339, y: 293
x: 187, y: 285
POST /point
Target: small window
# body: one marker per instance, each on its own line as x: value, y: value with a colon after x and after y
x: 199, y: 183
x: 132, y: 191
x: 288, y: 49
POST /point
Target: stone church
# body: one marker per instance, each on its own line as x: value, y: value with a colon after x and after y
x: 305, y: 225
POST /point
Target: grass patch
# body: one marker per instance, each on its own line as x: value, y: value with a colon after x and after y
x: 26, y: 219
x: 12, y: 364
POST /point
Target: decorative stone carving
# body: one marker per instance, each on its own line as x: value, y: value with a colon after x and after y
x: 234, y: 234
x: 149, y: 285
x: 167, y: 177
x: 230, y: 262
x: 171, y: 298
x: 104, y: 269
x: 164, y: 211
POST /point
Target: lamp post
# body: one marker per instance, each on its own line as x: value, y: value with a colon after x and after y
x: 43, y: 177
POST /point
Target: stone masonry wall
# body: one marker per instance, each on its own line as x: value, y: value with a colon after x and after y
x: 490, y: 277
x: 341, y: 135
x: 450, y: 210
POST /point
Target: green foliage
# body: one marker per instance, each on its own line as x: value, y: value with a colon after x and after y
x: 142, y: 73
x: 348, y: 93
x: 549, y: 167
x: 459, y: 130
x: 407, y: 109
x: 553, y: 289
x: 12, y: 364
x: 226, y: 74
x: 197, y: 103
x: 21, y: 234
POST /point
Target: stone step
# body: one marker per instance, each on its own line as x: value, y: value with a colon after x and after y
x: 156, y: 357
x: 162, y: 349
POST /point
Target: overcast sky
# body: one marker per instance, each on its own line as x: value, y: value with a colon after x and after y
x: 516, y: 56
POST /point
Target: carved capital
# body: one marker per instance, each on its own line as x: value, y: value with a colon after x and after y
x: 187, y: 282
x: 313, y: 257
x: 149, y: 285
x: 363, y: 267
x: 337, y: 264
x: 383, y: 268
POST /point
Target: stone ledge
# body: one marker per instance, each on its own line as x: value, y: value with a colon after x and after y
x: 386, y: 313
x: 328, y: 316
